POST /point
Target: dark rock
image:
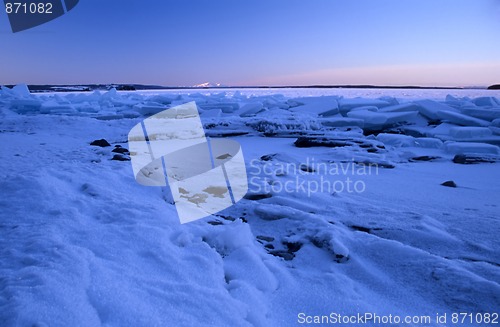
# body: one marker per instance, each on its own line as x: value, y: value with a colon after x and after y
x: 368, y: 132
x: 267, y: 157
x: 215, y: 222
x: 339, y: 258
x: 120, y: 150
x: 361, y: 229
x: 309, y: 142
x: 424, y: 158
x: 371, y: 146
x: 293, y: 246
x: 269, y: 246
x: 449, y: 184
x: 375, y: 164
x: 283, y: 254
x: 460, y: 159
x: 324, y: 244
x: 386, y: 165
x: 218, y: 133
x: 468, y: 160
x: 120, y: 157
x: 319, y: 243
x: 224, y: 156
x: 265, y: 238
x: 257, y: 196
x: 494, y: 87
x: 102, y: 143
x: 229, y: 218
x: 307, y: 169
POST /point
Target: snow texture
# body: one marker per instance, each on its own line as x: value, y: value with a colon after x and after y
x: 83, y: 244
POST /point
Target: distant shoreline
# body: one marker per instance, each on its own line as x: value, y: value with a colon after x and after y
x: 37, y: 88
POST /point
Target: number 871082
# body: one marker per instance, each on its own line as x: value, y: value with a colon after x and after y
x: 28, y: 8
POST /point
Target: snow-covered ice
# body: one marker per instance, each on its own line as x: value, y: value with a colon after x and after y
x: 345, y: 211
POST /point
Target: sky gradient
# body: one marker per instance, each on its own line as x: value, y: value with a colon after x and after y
x: 279, y: 42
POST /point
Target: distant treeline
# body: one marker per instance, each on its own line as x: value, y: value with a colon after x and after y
x: 133, y: 87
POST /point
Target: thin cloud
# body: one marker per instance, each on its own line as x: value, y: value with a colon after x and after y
x: 451, y: 74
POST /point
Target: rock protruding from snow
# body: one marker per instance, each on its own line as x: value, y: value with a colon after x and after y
x: 120, y: 157
x: 449, y: 184
x: 121, y: 150
x: 467, y: 159
x: 101, y: 143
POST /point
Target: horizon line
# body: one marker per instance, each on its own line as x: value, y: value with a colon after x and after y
x: 135, y: 86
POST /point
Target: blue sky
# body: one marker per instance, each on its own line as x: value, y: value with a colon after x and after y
x: 278, y: 42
